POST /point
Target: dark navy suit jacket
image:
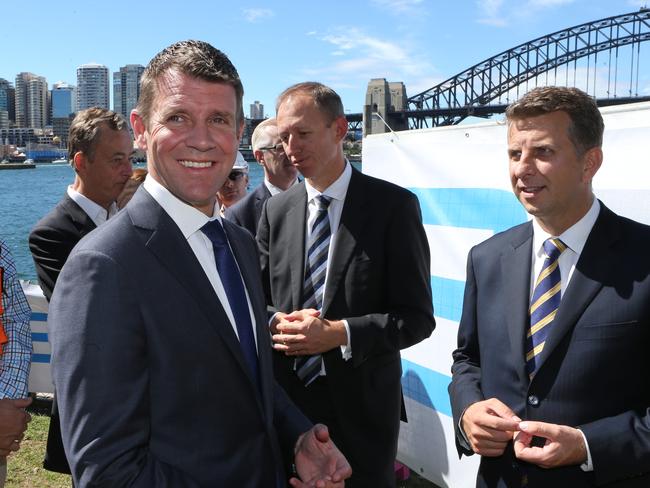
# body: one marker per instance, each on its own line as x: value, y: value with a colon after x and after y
x: 153, y: 387
x: 594, y: 368
x: 246, y: 212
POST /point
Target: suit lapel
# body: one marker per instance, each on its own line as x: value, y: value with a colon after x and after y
x: 294, y: 241
x: 165, y: 240
x: 80, y: 218
x: 595, y: 264
x: 344, y: 242
x: 515, y: 266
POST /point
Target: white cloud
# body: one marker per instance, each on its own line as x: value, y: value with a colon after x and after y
x: 547, y: 3
x: 357, y: 57
x: 408, y: 6
x: 490, y: 12
x: 638, y: 3
x: 256, y: 14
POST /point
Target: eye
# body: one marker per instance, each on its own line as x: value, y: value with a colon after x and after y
x: 175, y: 118
x: 284, y: 138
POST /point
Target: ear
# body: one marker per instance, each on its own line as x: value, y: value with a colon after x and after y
x: 593, y: 159
x: 79, y: 162
x: 259, y: 156
x: 139, y: 130
x: 240, y: 131
x: 341, y: 127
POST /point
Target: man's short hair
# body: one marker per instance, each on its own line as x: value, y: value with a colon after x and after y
x: 587, y: 126
x: 326, y: 99
x: 264, y: 128
x: 86, y: 129
x: 197, y: 59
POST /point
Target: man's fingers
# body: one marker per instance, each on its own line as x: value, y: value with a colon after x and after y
x: 22, y: 402
x: 539, y: 429
x: 500, y: 409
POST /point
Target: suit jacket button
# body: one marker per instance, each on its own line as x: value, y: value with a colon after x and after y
x: 533, y: 400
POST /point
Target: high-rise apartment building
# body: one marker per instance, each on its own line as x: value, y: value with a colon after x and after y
x: 126, y: 88
x: 63, y: 108
x: 257, y: 110
x: 7, y: 104
x: 92, y: 86
x: 31, y: 101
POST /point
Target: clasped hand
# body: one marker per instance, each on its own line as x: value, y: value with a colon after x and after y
x: 490, y: 425
x: 303, y: 333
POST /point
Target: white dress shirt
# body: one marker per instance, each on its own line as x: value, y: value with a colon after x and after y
x: 574, y: 238
x: 337, y: 192
x: 96, y: 212
x: 190, y: 220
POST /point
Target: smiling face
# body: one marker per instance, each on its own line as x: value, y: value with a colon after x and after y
x: 312, y: 143
x: 548, y: 175
x: 191, y: 138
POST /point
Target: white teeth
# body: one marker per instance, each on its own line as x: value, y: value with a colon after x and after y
x: 196, y: 164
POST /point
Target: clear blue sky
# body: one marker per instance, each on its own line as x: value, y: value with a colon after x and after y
x: 277, y: 43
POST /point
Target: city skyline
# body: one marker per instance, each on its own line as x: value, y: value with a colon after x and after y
x: 275, y: 44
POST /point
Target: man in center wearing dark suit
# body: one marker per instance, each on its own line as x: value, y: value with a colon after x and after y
x: 556, y: 318
x: 345, y: 263
x: 161, y: 354
x: 100, y: 149
x: 279, y: 174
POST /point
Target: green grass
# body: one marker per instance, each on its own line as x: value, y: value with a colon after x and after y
x: 25, y: 467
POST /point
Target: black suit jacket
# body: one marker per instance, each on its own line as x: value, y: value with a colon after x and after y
x: 153, y: 387
x: 246, y: 212
x: 594, y: 369
x: 379, y: 281
x: 51, y: 241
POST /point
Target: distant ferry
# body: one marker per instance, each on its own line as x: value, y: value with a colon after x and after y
x: 60, y: 161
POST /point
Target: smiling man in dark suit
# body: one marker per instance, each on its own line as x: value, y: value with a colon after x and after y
x: 550, y: 375
x: 345, y: 263
x: 100, y: 149
x: 279, y: 174
x: 161, y: 355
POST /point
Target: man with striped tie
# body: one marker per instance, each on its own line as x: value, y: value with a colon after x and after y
x: 346, y: 257
x: 550, y: 377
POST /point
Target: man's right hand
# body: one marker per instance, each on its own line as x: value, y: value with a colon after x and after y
x: 489, y: 425
x: 13, y: 423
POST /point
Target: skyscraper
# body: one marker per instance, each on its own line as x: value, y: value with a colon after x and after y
x: 31, y: 100
x: 63, y: 107
x: 126, y: 88
x: 92, y: 86
x: 7, y: 103
x: 257, y: 110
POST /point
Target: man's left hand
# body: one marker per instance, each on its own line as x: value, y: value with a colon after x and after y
x: 563, y: 445
x: 303, y: 333
x: 318, y: 461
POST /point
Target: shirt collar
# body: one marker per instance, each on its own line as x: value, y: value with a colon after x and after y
x: 96, y: 212
x: 188, y: 219
x: 274, y: 189
x: 336, y: 190
x: 574, y: 237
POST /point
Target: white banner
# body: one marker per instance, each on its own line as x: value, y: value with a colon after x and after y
x: 460, y: 175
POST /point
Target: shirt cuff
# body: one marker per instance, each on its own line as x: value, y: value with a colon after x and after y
x: 346, y: 351
x: 588, y: 464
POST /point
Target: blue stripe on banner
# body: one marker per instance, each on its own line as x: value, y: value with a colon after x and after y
x: 474, y: 208
x: 39, y: 336
x: 447, y: 298
x: 40, y: 358
x: 426, y: 386
x: 39, y: 317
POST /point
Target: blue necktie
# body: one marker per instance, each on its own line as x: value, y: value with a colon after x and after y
x: 544, y: 303
x: 232, y: 282
x: 308, y: 368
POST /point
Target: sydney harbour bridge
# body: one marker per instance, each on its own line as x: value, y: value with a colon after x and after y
x: 603, y: 57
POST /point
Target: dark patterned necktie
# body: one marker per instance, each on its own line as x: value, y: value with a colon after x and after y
x: 544, y: 303
x: 309, y: 367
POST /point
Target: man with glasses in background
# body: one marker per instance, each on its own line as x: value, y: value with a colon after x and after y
x: 234, y: 189
x: 279, y: 175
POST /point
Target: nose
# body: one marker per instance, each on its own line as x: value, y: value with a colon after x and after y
x: 200, y: 137
x: 292, y: 146
x: 525, y: 166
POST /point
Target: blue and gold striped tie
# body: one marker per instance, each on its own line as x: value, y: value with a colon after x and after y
x: 308, y: 368
x: 544, y: 303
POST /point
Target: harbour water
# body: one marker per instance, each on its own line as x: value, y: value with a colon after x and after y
x: 27, y: 195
